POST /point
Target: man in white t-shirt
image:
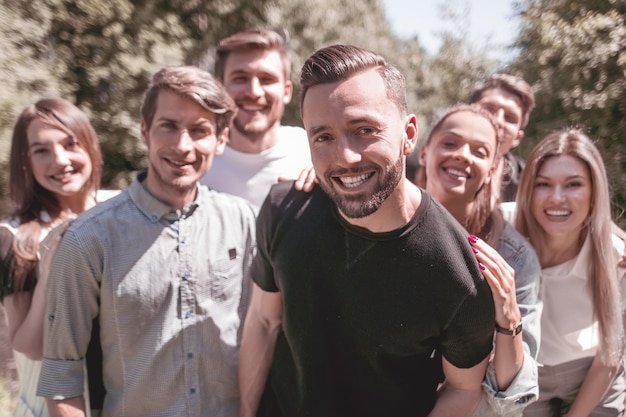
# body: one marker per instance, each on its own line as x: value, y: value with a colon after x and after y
x: 254, y: 66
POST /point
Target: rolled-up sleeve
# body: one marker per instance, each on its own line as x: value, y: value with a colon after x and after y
x: 523, y: 390
x: 72, y: 303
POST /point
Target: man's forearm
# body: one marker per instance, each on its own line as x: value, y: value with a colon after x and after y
x: 257, y: 351
x: 70, y: 407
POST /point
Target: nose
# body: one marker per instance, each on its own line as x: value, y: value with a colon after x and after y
x: 254, y: 87
x: 463, y: 153
x: 184, y: 141
x: 61, y: 156
x: 499, y: 116
x: 557, y: 193
x: 347, y: 152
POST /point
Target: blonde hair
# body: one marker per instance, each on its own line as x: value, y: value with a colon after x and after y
x: 603, y: 280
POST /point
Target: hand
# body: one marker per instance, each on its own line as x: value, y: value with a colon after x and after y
x: 305, y: 181
x: 501, y: 279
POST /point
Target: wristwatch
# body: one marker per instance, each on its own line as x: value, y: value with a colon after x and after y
x: 511, y: 332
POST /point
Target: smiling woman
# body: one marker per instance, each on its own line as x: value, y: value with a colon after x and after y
x: 563, y: 207
x: 457, y: 162
x: 55, y: 170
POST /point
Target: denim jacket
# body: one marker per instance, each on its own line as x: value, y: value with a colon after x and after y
x: 524, y: 389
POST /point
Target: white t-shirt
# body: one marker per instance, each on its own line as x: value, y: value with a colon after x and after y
x: 569, y: 330
x: 250, y: 175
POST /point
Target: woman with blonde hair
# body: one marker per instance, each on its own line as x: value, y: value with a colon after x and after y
x: 563, y: 207
x: 54, y: 173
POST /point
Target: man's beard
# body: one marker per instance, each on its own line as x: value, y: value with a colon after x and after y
x: 359, y: 206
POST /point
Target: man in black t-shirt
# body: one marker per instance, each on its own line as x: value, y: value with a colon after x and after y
x: 365, y: 286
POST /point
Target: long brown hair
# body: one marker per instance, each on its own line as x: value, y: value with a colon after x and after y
x: 29, y: 197
x: 603, y: 279
x: 485, y: 221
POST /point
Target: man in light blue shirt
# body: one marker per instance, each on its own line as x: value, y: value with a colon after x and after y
x: 165, y: 267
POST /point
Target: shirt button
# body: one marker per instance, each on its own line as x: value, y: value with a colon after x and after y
x: 189, y: 355
x: 154, y: 217
x: 192, y: 390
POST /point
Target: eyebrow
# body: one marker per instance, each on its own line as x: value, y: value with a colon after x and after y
x: 317, y: 129
x: 37, y: 143
x: 569, y: 177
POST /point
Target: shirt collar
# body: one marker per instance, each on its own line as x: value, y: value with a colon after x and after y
x: 577, y: 267
x: 154, y: 209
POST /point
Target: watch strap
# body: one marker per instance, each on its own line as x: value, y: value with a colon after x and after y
x: 511, y: 332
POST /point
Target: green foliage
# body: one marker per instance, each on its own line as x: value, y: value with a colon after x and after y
x: 574, y: 54
x: 100, y: 55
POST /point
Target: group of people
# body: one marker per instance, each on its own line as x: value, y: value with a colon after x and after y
x: 335, y: 270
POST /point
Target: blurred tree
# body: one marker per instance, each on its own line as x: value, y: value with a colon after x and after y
x: 101, y: 55
x: 573, y: 52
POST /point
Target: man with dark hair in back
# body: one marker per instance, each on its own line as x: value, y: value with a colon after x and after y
x: 511, y: 100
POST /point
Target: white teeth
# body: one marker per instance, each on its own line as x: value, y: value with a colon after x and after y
x: 62, y: 175
x: 177, y: 163
x: 558, y: 212
x: 251, y: 108
x: 456, y: 172
x: 353, y: 182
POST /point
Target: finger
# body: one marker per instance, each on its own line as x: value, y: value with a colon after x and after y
x: 494, y: 284
x: 504, y: 275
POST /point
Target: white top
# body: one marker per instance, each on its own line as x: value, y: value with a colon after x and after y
x: 250, y: 175
x: 568, y: 329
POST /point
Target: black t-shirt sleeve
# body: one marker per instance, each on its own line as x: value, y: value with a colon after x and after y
x: 262, y: 271
x: 467, y: 335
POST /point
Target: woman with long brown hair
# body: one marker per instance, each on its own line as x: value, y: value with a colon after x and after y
x: 54, y: 173
x: 457, y: 165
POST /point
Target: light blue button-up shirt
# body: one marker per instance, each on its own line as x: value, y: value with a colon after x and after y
x: 171, y: 289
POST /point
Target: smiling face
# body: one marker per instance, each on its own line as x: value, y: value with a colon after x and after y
x: 507, y: 108
x: 561, y: 198
x: 256, y: 81
x: 182, y: 142
x: 358, y: 139
x: 459, y: 158
x: 59, y: 163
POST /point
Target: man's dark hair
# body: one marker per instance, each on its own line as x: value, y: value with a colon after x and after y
x: 512, y: 84
x: 340, y: 62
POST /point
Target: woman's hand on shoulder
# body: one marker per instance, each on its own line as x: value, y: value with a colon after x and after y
x: 501, y: 279
x: 305, y: 181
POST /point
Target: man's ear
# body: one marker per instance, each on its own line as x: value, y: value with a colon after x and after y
x: 518, y: 139
x: 411, y: 132
x: 288, y: 92
x: 144, y: 132
x: 222, y: 140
